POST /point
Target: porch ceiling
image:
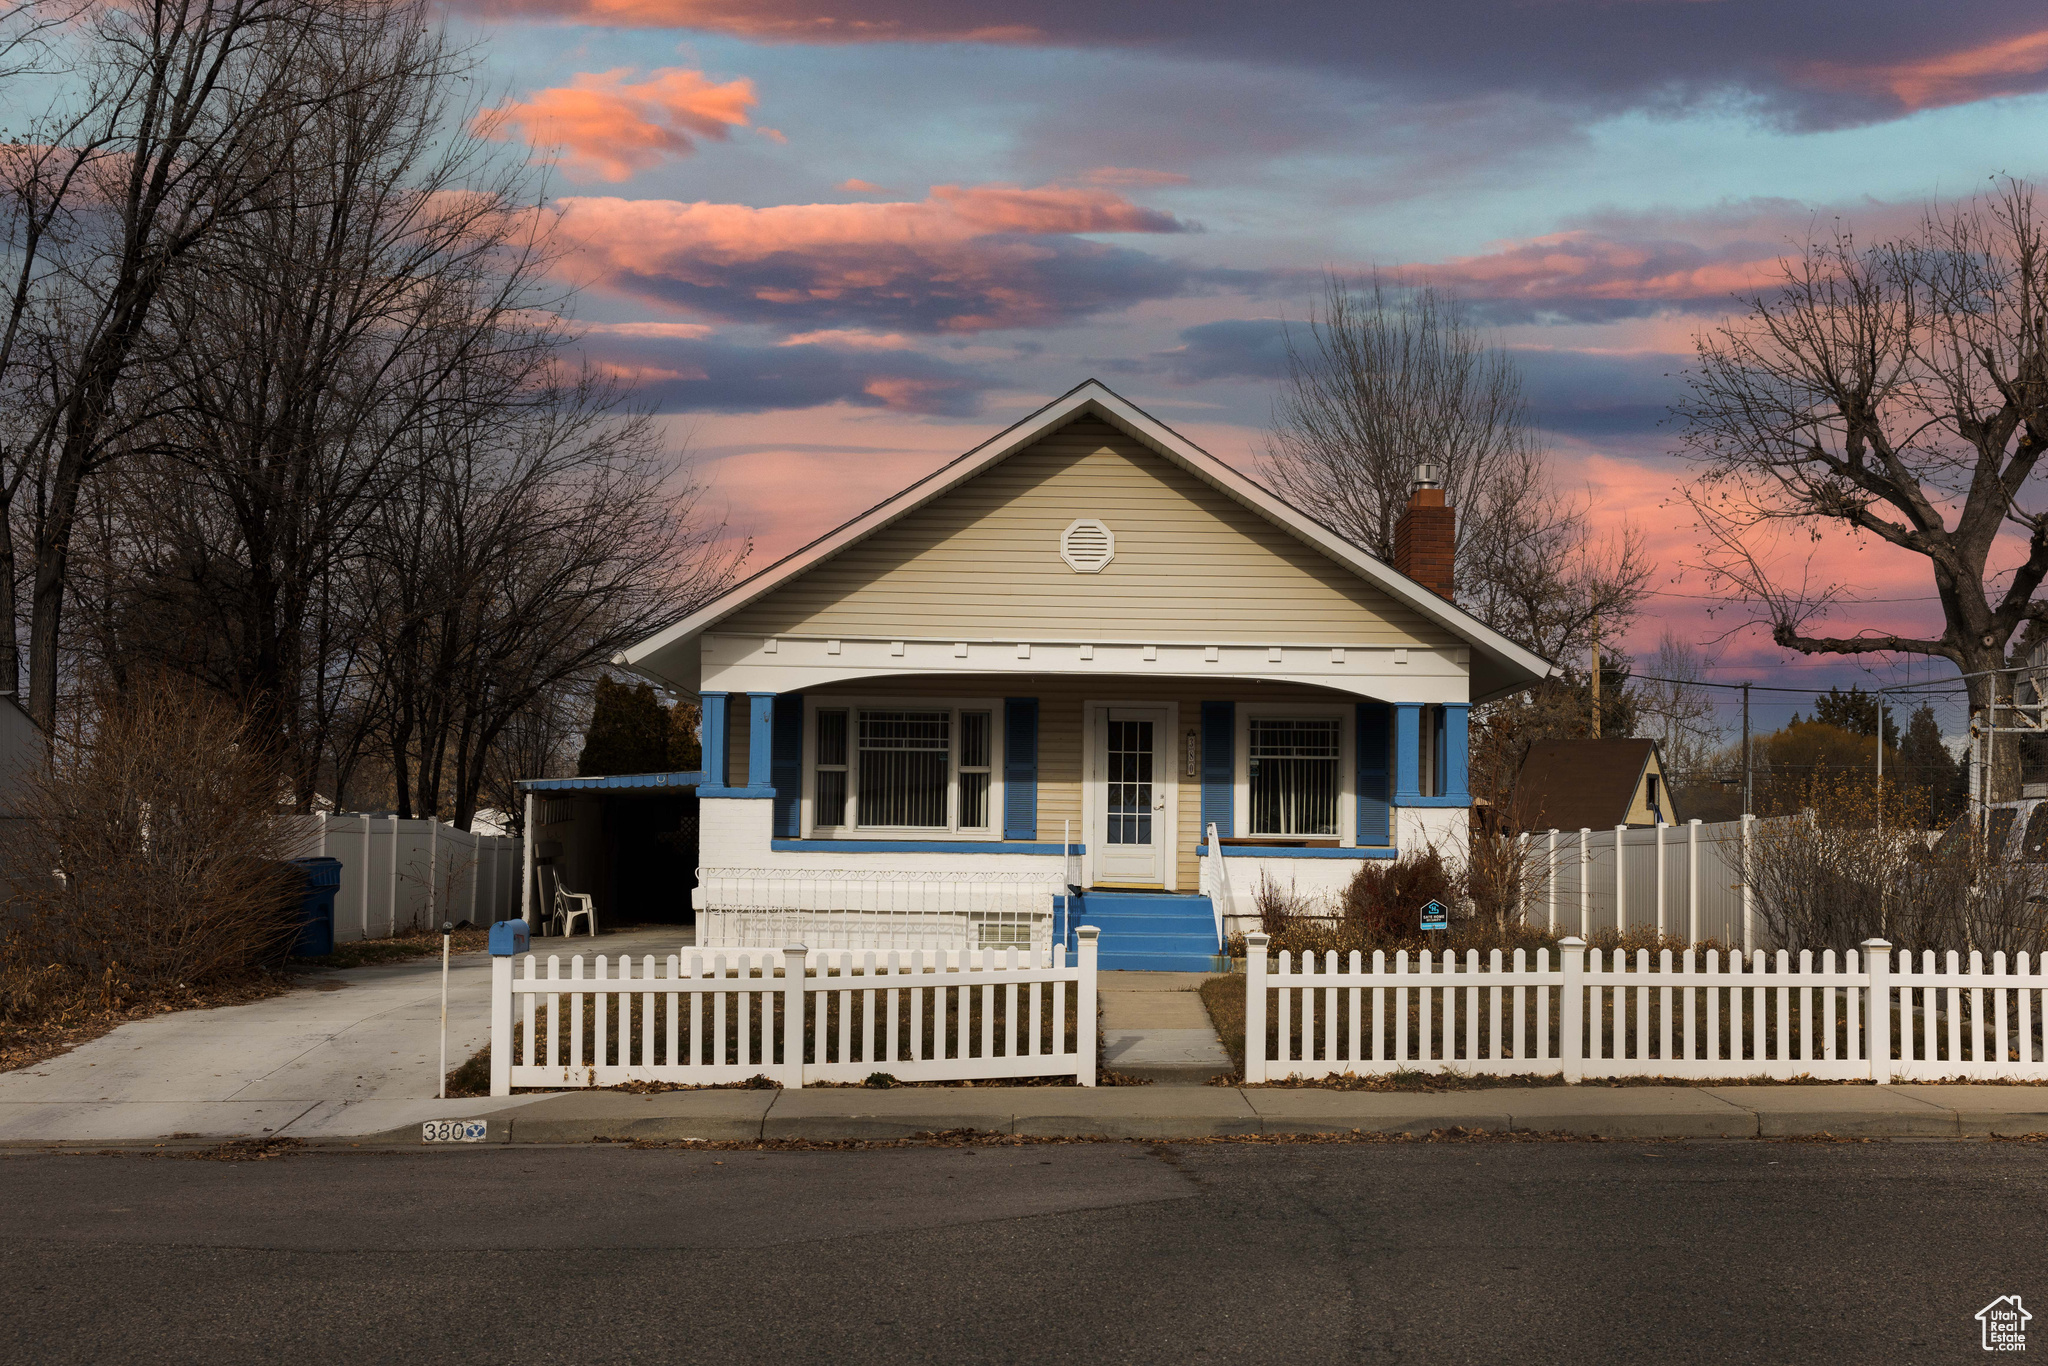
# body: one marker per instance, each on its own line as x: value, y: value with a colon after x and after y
x: 739, y: 664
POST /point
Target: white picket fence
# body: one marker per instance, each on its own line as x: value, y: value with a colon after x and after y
x: 1685, y: 881
x: 857, y: 908
x: 795, y: 1016
x: 411, y: 874
x: 1693, y: 1015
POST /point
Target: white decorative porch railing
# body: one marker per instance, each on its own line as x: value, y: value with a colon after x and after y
x: 794, y: 1016
x: 1867, y: 1016
x: 1215, y: 878
x: 876, y: 909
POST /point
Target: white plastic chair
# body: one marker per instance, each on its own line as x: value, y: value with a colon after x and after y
x: 569, y: 905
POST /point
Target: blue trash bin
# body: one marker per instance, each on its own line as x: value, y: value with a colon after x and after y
x: 316, y: 906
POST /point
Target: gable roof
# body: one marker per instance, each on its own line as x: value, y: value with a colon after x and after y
x: 1499, y: 666
x: 1580, y: 784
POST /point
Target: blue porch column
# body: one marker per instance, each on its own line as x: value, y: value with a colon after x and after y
x: 715, y: 767
x: 760, y: 739
x: 1457, y: 745
x: 1407, y: 753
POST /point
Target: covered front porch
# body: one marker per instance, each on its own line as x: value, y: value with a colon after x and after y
x: 929, y: 810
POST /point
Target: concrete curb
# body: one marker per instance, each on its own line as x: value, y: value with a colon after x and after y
x: 1191, y: 1112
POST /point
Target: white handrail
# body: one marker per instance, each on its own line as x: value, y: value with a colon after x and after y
x: 1218, y: 879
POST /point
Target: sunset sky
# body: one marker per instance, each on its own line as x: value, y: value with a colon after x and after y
x: 839, y: 241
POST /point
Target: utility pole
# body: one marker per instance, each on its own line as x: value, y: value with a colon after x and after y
x: 1745, y: 750
x: 1596, y: 675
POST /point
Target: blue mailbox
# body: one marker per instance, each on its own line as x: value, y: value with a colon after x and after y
x: 508, y: 937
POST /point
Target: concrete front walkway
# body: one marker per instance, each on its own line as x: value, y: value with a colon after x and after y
x: 1154, y: 1025
x: 352, y: 1051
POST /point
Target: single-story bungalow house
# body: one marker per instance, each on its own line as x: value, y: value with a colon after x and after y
x: 1086, y: 671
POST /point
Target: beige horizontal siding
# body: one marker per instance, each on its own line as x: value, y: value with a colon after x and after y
x: 1191, y: 564
x: 1061, y: 704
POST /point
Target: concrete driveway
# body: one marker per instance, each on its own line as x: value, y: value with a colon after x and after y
x: 349, y: 1052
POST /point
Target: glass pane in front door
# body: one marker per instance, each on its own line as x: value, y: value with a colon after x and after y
x: 1129, y: 782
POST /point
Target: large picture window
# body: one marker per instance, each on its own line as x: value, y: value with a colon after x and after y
x: 903, y: 768
x: 1295, y: 775
x: 904, y: 757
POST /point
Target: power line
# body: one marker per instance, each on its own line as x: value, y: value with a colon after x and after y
x: 1723, y: 597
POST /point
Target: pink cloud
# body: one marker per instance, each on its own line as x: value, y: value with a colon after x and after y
x: 1623, y: 265
x: 2010, y: 66
x: 849, y: 337
x: 611, y: 127
x: 859, y: 186
x: 965, y: 258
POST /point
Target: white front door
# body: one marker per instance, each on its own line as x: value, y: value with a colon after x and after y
x: 1132, y: 835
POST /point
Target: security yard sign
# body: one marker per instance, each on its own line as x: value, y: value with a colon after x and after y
x: 1435, y: 916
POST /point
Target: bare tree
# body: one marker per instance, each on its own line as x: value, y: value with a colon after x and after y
x: 549, y: 537
x: 1674, y: 708
x: 1897, y: 393
x: 1386, y: 380
x: 385, y: 272
x: 169, y: 127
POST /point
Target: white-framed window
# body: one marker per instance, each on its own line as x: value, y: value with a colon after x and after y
x: 909, y: 767
x: 1295, y: 773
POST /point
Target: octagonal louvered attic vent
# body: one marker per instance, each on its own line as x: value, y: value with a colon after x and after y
x: 1087, y: 546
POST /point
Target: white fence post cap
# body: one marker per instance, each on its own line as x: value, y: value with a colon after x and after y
x: 1571, y: 941
x: 1258, y: 937
x: 1087, y: 932
x: 1876, y: 945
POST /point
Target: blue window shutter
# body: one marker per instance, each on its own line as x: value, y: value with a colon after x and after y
x: 1219, y: 767
x: 786, y: 766
x: 1020, y: 768
x: 1375, y: 814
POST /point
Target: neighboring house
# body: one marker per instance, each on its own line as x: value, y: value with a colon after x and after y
x: 1060, y: 660
x: 1592, y: 785
x: 22, y: 750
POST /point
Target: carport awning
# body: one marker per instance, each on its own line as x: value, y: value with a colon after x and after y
x: 632, y: 782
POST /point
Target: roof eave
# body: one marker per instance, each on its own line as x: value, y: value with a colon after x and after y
x: 1141, y: 426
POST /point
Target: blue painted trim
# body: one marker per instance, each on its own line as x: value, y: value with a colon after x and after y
x: 1281, y: 851
x: 717, y: 758
x: 760, y: 738
x: 747, y: 793
x: 1371, y: 737
x: 917, y: 847
x: 786, y: 771
x: 1020, y: 768
x: 1219, y: 768
x: 1407, y: 753
x: 1457, y: 749
x: 1461, y: 799
x: 625, y: 781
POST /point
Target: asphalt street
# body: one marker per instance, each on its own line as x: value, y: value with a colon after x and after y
x: 1426, y: 1252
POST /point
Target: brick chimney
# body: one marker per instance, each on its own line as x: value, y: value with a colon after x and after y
x: 1425, y: 536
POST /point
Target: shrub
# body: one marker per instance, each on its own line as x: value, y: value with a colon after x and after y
x: 146, y: 858
x: 1854, y: 863
x: 1385, y: 899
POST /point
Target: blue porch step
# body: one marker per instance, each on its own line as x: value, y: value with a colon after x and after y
x: 1147, y: 931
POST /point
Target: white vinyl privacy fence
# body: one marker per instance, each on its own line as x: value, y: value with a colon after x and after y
x: 793, y: 1015
x: 1685, y: 881
x: 1872, y: 1015
x: 412, y: 874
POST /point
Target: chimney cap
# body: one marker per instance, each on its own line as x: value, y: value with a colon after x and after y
x: 1428, y: 475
